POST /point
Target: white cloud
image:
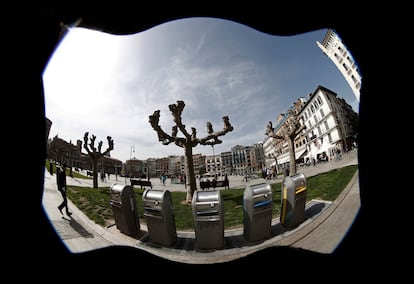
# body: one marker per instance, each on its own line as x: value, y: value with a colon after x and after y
x: 109, y: 85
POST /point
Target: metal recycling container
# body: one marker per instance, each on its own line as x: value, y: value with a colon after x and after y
x: 159, y: 216
x: 124, y: 208
x: 257, y: 212
x: 293, y: 197
x: 209, y: 219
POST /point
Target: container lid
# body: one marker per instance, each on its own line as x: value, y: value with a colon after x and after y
x: 154, y: 194
x: 119, y: 188
x: 206, y: 196
x: 260, y: 188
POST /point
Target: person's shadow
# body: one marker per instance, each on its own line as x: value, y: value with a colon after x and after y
x: 78, y: 227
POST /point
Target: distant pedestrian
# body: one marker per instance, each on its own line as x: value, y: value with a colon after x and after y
x: 61, y: 185
x: 226, y: 182
x: 337, y: 154
x: 286, y: 172
x: 51, y: 168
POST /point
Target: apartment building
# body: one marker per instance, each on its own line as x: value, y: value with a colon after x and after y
x: 333, y: 47
x: 331, y: 125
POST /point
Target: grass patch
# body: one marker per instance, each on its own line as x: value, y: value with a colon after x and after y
x: 75, y: 174
x: 95, y: 202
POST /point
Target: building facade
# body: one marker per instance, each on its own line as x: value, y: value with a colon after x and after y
x: 61, y: 152
x: 333, y: 47
x: 331, y: 126
x: 277, y: 150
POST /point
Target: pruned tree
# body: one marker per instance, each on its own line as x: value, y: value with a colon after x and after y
x: 189, y: 141
x: 95, y: 153
x: 287, y: 132
x: 71, y: 149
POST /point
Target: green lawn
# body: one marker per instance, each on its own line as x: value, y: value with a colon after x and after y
x: 95, y: 202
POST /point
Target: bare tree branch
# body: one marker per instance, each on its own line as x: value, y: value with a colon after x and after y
x: 96, y: 154
x: 189, y: 140
x: 287, y: 132
x: 270, y: 131
x: 214, y: 135
x: 176, y: 110
x: 162, y: 135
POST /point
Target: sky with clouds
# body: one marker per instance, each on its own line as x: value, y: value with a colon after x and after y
x: 108, y: 84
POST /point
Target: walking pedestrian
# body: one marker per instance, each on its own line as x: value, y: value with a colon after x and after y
x: 226, y: 182
x: 61, y: 185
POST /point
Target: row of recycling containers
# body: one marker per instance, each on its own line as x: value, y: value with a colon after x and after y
x: 208, y: 214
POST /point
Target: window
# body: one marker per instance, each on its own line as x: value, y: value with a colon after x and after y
x: 326, y: 125
x: 345, y: 66
x: 319, y: 99
x: 354, y: 79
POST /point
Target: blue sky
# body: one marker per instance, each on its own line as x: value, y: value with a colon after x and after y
x: 108, y: 84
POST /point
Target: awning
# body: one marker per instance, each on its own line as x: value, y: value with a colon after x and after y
x: 298, y: 155
x: 283, y: 160
x: 320, y: 151
x: 301, y: 155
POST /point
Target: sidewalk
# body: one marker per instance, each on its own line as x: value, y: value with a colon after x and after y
x: 325, y: 223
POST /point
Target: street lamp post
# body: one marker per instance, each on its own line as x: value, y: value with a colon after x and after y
x: 214, y: 160
x: 130, y: 157
x: 116, y: 172
x: 132, y: 150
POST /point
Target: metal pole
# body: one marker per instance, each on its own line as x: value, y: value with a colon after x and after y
x: 130, y: 157
x: 214, y: 160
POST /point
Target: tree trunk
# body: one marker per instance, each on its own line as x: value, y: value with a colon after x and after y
x: 95, y: 172
x: 189, y: 173
x: 292, y: 159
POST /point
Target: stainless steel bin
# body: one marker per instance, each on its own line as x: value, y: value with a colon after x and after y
x: 293, y: 201
x: 208, y: 219
x: 124, y: 208
x: 159, y: 216
x: 257, y: 212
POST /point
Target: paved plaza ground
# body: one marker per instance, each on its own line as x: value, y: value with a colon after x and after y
x: 325, y: 225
